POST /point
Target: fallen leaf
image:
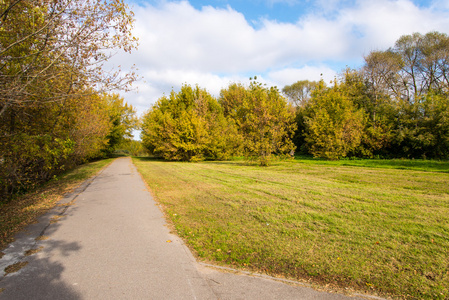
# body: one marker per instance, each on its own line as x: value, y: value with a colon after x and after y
x: 42, y: 238
x: 168, y: 241
x: 15, y: 267
x: 33, y: 251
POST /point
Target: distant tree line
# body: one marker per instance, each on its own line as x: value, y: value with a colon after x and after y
x: 190, y: 125
x: 56, y: 105
x: 395, y: 106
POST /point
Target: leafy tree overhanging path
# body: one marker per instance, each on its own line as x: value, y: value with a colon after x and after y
x: 108, y: 240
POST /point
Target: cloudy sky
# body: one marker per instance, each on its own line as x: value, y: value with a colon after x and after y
x: 214, y: 43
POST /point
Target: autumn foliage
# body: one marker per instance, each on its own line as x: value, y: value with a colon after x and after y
x: 187, y: 126
x: 56, y: 109
x: 396, y: 105
x: 192, y: 125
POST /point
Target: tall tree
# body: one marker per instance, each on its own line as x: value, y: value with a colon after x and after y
x: 300, y: 92
x: 44, y: 41
x: 416, y: 65
x: 408, y: 85
x: 334, y: 125
x: 377, y: 108
x: 49, y: 137
x: 264, y: 119
x: 188, y: 125
x: 123, y: 121
x: 52, y: 66
x: 422, y: 128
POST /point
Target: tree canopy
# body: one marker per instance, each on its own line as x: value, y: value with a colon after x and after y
x: 55, y: 101
x: 53, y: 47
x: 300, y: 92
x: 398, y: 103
x: 192, y: 125
x: 264, y: 119
x: 188, y: 125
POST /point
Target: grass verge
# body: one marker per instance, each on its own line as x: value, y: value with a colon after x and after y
x: 25, y: 209
x: 378, y: 229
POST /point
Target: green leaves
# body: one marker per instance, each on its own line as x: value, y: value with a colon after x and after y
x: 51, y: 60
x: 187, y: 126
x: 264, y: 120
x: 395, y: 106
x: 122, y: 121
x: 334, y: 126
x: 191, y: 125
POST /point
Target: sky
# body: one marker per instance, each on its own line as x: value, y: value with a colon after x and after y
x: 214, y: 43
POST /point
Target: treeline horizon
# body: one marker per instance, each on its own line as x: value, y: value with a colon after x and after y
x: 58, y: 108
x: 191, y: 125
x: 395, y: 106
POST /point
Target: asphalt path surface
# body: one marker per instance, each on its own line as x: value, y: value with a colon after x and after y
x: 109, y: 240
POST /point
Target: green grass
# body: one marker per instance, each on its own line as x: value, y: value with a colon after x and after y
x: 381, y: 227
x: 404, y: 164
x: 25, y: 209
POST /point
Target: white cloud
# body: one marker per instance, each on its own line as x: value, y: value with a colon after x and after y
x: 214, y: 46
x: 156, y: 83
x: 177, y: 35
x: 380, y: 23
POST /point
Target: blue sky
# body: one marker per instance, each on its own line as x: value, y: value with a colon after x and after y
x: 214, y: 43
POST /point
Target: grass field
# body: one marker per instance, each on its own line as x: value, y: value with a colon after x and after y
x: 380, y: 227
x: 25, y: 209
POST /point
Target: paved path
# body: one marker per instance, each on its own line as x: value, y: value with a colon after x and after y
x: 111, y: 242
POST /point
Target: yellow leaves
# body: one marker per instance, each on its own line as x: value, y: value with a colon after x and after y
x: 33, y: 251
x: 15, y: 267
x: 264, y: 121
x: 187, y: 126
x: 334, y: 125
x: 55, y: 219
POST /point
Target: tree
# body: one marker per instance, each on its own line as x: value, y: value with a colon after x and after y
x: 42, y: 42
x: 52, y: 70
x: 334, y: 125
x: 187, y: 126
x: 122, y: 119
x: 416, y: 65
x: 378, y: 110
x: 264, y: 119
x: 422, y: 128
x: 299, y: 93
x: 408, y: 86
x: 132, y: 147
x: 48, y: 138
